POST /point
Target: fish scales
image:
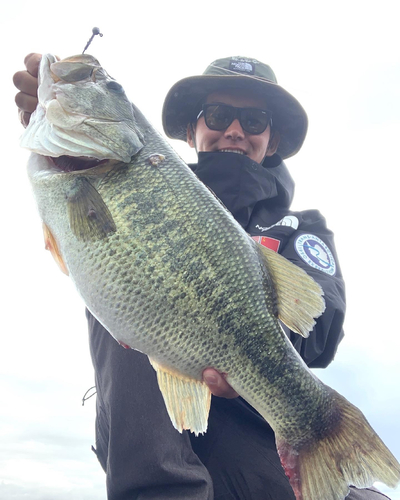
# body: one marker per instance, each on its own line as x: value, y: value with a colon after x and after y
x: 168, y: 271
x: 171, y: 287
x: 192, y: 307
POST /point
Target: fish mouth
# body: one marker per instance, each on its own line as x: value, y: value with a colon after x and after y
x: 66, y: 163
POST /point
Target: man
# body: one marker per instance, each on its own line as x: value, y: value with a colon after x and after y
x: 242, y: 124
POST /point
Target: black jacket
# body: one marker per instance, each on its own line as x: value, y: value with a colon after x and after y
x: 259, y: 197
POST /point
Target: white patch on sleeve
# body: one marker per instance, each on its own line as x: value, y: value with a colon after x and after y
x: 315, y: 253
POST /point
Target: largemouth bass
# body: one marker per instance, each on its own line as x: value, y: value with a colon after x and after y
x: 168, y: 271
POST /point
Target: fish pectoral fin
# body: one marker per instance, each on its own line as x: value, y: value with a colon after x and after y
x: 187, y: 400
x: 299, y: 297
x: 51, y: 245
x: 89, y: 217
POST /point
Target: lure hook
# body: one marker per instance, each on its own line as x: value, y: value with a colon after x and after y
x: 95, y: 31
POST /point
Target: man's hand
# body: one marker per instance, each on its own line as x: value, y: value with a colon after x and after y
x: 27, y: 83
x: 218, y: 385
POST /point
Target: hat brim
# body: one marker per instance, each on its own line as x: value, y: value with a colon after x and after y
x: 288, y: 116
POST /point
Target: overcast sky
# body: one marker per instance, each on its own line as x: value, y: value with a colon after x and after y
x: 341, y: 60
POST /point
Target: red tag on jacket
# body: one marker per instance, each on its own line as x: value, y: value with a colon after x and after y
x: 270, y: 243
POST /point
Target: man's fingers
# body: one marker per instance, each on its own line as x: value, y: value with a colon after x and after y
x: 25, y: 102
x: 31, y: 62
x: 26, y: 83
x: 218, y: 385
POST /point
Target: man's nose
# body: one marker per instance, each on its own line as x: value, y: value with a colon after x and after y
x: 234, y: 131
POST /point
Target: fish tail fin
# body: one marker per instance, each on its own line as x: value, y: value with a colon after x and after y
x: 350, y: 453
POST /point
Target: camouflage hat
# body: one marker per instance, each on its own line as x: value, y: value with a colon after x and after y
x: 185, y: 98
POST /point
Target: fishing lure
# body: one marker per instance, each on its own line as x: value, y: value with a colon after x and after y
x: 95, y: 31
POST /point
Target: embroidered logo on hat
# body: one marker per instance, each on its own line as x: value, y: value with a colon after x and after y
x: 242, y: 66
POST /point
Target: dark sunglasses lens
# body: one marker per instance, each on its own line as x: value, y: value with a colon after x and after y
x: 254, y: 121
x: 218, y: 117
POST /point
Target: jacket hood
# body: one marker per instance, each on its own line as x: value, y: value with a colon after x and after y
x: 243, y: 184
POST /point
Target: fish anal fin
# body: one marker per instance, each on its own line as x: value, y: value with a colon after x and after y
x: 51, y: 245
x: 89, y: 217
x: 348, y: 453
x: 187, y: 400
x: 299, y: 296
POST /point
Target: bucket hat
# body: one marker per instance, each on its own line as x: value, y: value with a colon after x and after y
x: 183, y: 101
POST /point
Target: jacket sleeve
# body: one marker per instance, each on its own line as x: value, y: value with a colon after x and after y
x: 312, y: 248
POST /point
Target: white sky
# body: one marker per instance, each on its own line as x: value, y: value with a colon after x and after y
x: 341, y: 60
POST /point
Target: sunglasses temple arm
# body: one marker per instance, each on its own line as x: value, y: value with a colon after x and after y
x: 193, y: 136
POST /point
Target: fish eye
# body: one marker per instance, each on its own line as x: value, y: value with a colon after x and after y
x: 115, y: 86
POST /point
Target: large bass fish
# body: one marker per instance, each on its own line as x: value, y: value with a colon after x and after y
x: 168, y: 271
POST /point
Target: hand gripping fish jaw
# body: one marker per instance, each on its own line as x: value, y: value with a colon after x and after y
x: 83, y: 116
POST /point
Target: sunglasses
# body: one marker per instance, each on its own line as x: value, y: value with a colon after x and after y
x: 220, y: 116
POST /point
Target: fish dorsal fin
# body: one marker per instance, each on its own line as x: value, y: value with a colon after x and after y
x: 299, y: 297
x: 187, y: 400
x: 89, y: 217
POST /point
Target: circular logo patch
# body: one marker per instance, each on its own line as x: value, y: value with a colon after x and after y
x: 315, y: 253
